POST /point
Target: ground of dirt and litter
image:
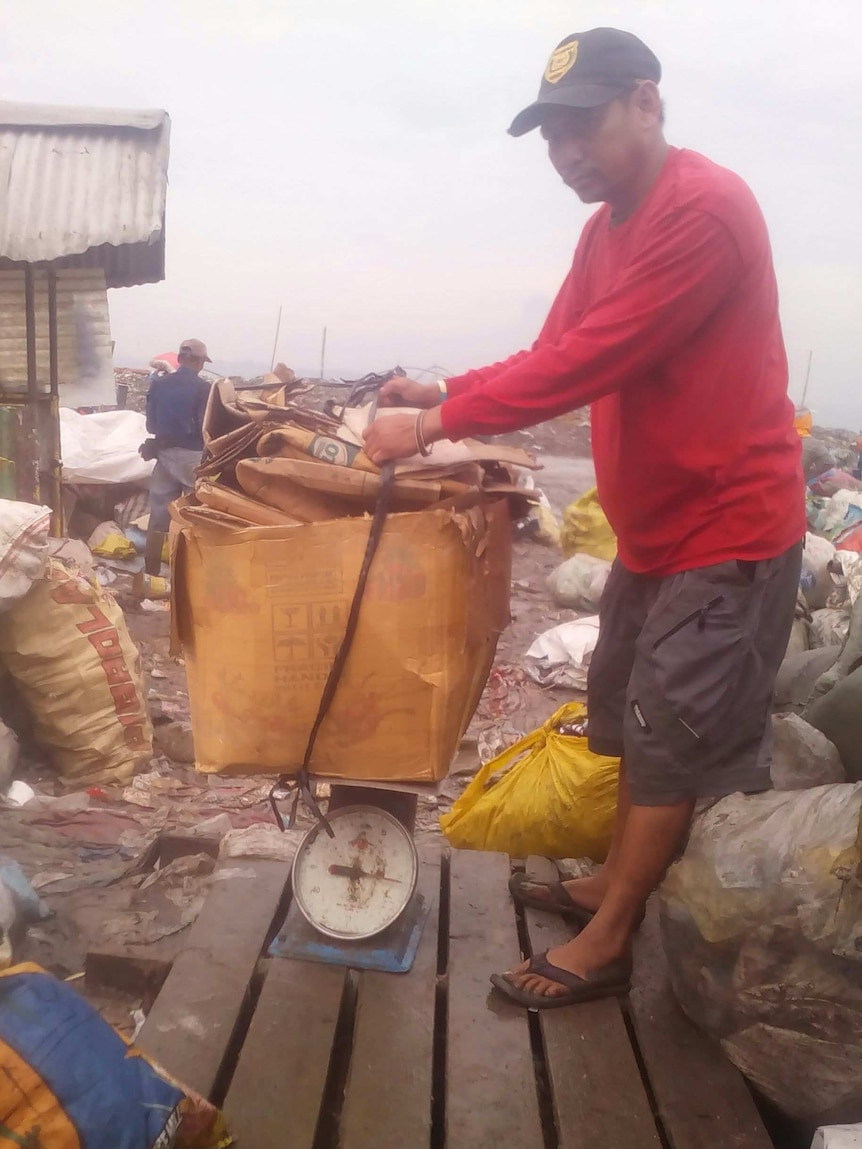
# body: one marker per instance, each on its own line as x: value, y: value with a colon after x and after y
x: 93, y: 855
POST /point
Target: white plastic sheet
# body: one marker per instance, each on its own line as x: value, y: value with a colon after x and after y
x: 103, y: 447
x: 561, y: 656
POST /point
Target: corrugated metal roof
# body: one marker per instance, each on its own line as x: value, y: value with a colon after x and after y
x: 84, y: 186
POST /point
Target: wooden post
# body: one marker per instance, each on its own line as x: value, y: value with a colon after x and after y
x: 807, y: 377
x: 275, y: 341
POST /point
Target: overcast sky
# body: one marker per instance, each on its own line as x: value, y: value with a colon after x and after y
x: 349, y: 160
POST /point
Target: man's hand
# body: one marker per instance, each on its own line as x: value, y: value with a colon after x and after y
x: 408, y: 393
x: 393, y: 437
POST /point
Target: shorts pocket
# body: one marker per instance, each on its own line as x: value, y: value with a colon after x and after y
x: 696, y: 656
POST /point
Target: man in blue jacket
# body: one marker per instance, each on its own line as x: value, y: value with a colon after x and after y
x: 175, y: 417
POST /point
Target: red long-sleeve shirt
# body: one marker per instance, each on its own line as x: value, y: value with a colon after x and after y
x: 667, y: 324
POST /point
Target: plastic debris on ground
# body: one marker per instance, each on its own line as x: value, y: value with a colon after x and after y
x: 579, y: 582
x: 815, y: 580
x: 561, y: 656
x: 109, y: 542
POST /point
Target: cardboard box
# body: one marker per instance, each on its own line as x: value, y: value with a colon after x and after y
x: 261, y: 612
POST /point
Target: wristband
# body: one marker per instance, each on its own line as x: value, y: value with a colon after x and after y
x: 421, y: 446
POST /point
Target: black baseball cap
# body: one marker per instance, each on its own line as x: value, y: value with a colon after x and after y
x: 588, y: 69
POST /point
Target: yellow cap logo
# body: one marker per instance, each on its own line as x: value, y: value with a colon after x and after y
x: 561, y: 61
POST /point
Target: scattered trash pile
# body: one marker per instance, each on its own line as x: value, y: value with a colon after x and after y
x: 561, y: 656
x: 66, y: 650
x: 267, y: 554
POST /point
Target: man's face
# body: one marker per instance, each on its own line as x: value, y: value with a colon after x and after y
x: 599, y: 151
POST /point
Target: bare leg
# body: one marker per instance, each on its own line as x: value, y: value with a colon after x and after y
x: 648, y: 842
x: 153, y: 552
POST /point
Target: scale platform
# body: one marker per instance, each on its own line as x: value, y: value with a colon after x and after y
x: 391, y: 951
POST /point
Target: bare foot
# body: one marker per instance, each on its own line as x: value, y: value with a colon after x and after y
x: 588, y: 892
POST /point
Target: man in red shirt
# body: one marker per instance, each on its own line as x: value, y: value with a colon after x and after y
x: 667, y: 325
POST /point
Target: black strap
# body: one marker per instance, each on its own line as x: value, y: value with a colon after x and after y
x: 302, y: 780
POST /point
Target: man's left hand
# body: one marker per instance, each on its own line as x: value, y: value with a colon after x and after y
x: 391, y: 437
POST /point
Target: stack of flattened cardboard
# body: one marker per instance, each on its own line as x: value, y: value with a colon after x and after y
x: 266, y: 558
x: 311, y: 465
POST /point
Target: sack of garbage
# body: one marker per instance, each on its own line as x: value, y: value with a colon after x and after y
x: 561, y: 656
x: 838, y: 715
x: 815, y: 580
x: 586, y: 530
x: 829, y: 627
x: 23, y: 548
x: 762, y: 926
x: 67, y: 647
x: 547, y: 794
x: 579, y: 582
x: 67, y: 1079
x: 830, y: 482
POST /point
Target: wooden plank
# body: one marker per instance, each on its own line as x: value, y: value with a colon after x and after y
x: 702, y: 1099
x: 596, y: 1088
x: 191, y: 1024
x: 491, y: 1097
x: 275, y: 1096
x: 393, y: 1043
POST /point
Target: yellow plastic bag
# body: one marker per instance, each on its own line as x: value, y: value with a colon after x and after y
x: 547, y: 795
x: 802, y: 422
x: 108, y: 542
x: 586, y: 531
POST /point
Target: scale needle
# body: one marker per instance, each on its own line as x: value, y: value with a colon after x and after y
x: 354, y: 872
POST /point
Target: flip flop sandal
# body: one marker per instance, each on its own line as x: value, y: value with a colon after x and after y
x: 612, y: 981
x: 560, y: 901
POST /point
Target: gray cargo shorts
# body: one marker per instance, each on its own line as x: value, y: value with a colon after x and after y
x: 682, y: 677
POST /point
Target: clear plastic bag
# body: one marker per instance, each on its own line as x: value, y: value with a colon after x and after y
x: 762, y: 926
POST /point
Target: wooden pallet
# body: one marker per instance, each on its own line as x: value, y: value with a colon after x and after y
x: 306, y: 1056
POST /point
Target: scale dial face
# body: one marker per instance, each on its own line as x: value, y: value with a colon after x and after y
x: 356, y: 884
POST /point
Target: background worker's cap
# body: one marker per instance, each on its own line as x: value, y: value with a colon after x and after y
x: 588, y: 69
x: 196, y: 348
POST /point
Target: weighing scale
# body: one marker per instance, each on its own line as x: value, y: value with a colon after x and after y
x: 355, y: 899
